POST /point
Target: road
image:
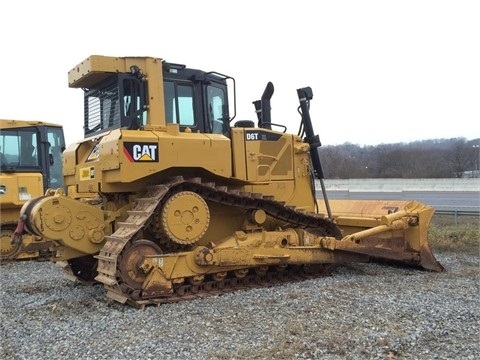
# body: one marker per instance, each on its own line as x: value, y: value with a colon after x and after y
x: 440, y: 200
x: 450, y: 199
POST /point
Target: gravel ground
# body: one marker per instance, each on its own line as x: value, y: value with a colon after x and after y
x: 362, y: 311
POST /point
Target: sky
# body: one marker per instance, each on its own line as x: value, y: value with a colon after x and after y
x: 381, y: 71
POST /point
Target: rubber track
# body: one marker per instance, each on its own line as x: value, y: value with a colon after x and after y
x: 110, y: 254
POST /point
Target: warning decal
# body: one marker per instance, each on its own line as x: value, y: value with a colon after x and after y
x: 87, y: 173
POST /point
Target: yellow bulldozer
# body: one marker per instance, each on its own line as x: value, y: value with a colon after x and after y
x: 168, y: 198
x: 30, y: 163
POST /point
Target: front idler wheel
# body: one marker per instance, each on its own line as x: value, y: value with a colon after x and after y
x: 132, y: 258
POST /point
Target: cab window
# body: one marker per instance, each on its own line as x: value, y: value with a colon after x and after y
x: 179, y: 104
x: 216, y: 109
x: 19, y: 147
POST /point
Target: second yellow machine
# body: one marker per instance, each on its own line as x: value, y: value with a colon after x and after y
x: 30, y: 163
x: 168, y: 198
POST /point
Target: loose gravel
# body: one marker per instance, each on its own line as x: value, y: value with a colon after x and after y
x: 362, y: 311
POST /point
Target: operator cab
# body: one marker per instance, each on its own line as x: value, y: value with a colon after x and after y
x: 35, y: 148
x: 193, y: 99
x: 196, y: 99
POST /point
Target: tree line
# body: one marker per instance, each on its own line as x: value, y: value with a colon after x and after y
x: 438, y: 158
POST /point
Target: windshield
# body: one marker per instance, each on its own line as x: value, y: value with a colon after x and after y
x: 18, y: 148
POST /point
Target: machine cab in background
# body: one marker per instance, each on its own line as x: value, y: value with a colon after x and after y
x: 33, y: 147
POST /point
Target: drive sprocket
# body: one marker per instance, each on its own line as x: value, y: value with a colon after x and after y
x: 185, y: 217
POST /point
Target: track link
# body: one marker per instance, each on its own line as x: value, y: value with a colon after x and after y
x: 214, y: 288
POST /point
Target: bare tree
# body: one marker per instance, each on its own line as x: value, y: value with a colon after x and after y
x: 438, y: 158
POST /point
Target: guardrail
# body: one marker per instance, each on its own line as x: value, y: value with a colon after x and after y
x: 458, y: 213
x: 454, y: 197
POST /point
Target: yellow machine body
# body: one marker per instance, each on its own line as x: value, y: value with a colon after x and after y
x: 166, y: 197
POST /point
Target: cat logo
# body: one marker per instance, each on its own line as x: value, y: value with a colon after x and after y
x: 141, y: 152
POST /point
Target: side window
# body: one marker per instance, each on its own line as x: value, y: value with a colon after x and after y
x: 132, y: 103
x: 179, y: 104
x: 169, y: 99
x: 185, y: 105
x: 57, y: 146
x: 216, y: 105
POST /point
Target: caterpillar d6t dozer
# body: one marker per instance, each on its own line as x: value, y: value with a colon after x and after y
x: 168, y: 198
x: 30, y: 163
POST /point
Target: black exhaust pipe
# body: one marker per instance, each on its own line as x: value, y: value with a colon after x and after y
x: 263, y: 108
